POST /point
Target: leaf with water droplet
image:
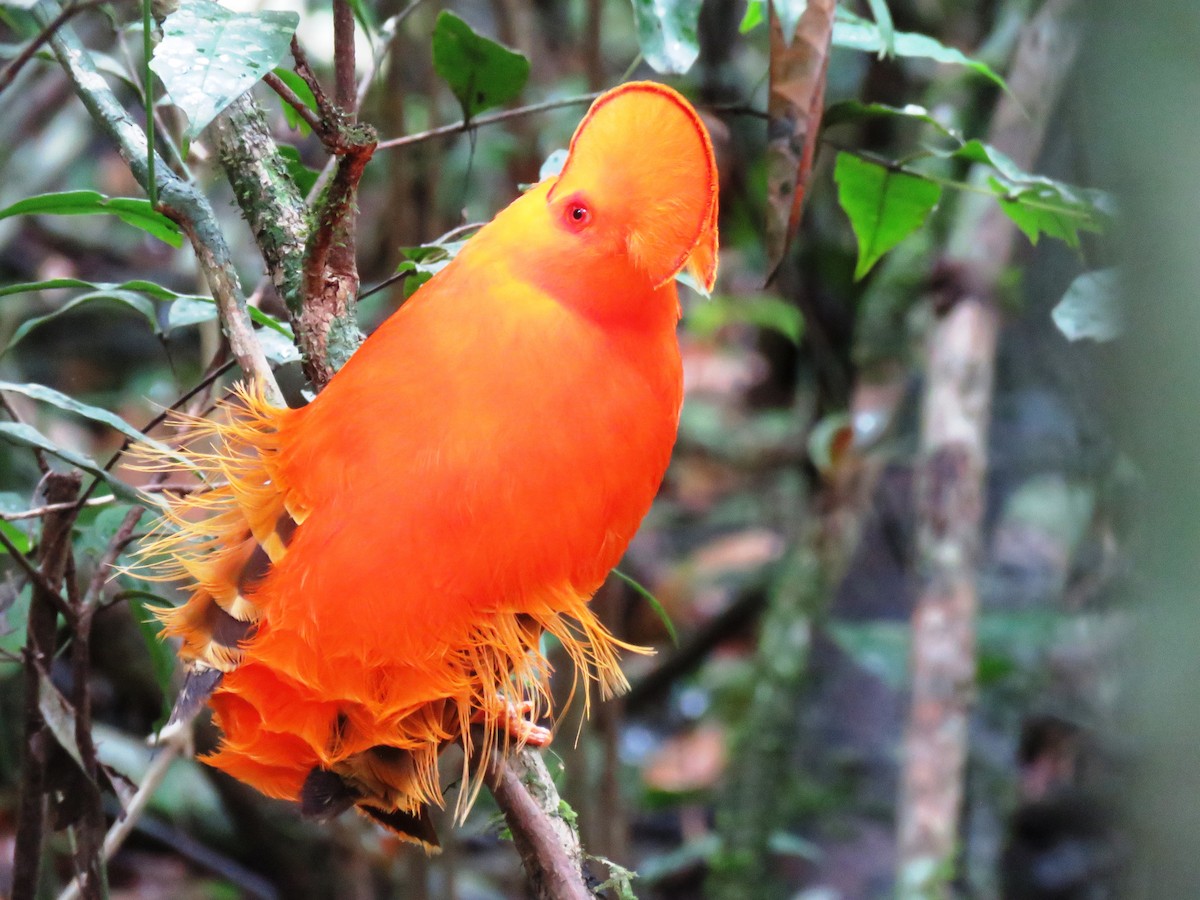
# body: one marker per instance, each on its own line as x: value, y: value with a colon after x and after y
x: 210, y: 56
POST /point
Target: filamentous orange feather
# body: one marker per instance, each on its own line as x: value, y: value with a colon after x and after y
x: 373, y: 575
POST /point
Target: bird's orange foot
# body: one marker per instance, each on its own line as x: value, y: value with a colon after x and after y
x: 515, y: 719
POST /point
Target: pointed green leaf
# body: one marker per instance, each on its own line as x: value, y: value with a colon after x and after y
x: 185, y: 311
x: 667, y: 33
x: 131, y: 210
x: 1045, y: 210
x: 883, y: 22
x: 209, y: 56
x: 134, y: 301
x: 854, y: 111
x: 302, y: 175
x: 480, y: 72
x: 301, y: 89
x: 655, y: 605
x: 885, y: 206
x: 856, y: 33
x: 753, y: 16
x: 45, y: 394
x: 26, y: 436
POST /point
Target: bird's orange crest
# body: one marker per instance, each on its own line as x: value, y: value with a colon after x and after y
x: 646, y: 157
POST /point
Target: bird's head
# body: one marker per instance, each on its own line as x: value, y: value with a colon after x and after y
x: 637, y: 192
x: 640, y: 180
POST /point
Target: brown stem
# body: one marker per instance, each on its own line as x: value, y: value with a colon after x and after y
x: 345, y: 93
x: 89, y: 831
x: 39, y: 652
x: 275, y: 83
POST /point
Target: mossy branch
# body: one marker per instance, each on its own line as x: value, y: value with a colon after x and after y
x: 176, y: 199
x: 267, y: 196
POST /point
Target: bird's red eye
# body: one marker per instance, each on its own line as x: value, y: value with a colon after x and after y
x: 578, y: 215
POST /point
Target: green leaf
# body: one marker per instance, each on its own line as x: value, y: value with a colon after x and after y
x: 667, y: 33
x: 131, y: 210
x: 189, y: 311
x: 59, y: 717
x: 44, y: 394
x: 884, y: 206
x: 134, y: 301
x: 1046, y: 210
x: 856, y: 33
x: 883, y: 22
x: 192, y: 308
x: 209, y: 56
x: 278, y: 348
x: 1038, y: 204
x: 480, y: 72
x: 880, y: 647
x: 1091, y: 307
x: 302, y: 175
x: 854, y: 111
x: 26, y: 436
x: 16, y: 532
x: 426, y: 261
x: 789, y: 12
x: 753, y: 16
x: 654, y: 604
x: 301, y: 89
x: 162, y: 655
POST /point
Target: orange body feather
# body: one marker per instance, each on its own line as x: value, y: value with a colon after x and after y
x: 377, y: 573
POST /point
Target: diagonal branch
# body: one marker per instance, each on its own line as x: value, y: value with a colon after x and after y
x: 548, y: 844
x: 177, y: 199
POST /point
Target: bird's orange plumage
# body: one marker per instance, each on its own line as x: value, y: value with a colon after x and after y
x: 377, y: 573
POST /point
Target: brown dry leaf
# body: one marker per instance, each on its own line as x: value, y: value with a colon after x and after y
x: 794, y: 107
x: 688, y: 762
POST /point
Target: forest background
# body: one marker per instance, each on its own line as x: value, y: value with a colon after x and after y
x: 922, y: 576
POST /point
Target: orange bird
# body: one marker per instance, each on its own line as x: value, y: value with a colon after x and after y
x: 373, y: 574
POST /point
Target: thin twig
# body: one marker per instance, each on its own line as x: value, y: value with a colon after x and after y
x: 118, y: 543
x: 34, y: 573
x: 41, y: 637
x: 275, y: 83
x: 305, y: 70
x: 124, y: 825
x: 492, y: 119
x: 38, y: 511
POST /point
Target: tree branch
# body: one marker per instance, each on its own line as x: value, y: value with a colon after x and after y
x: 266, y: 194
x: 548, y: 844
x: 950, y: 479
x: 177, y: 199
x: 345, y: 93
